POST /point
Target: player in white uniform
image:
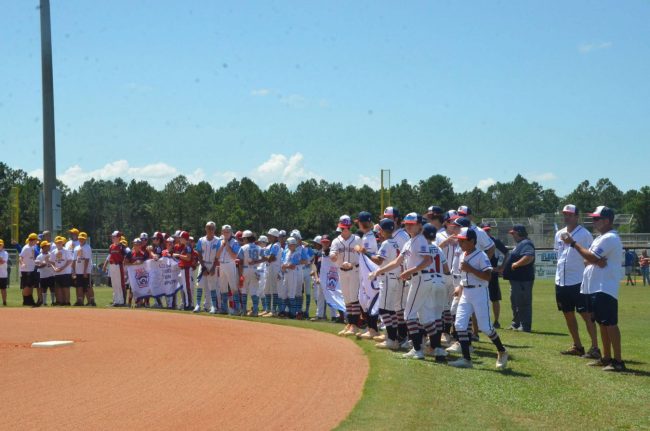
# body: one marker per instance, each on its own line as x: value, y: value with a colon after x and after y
x: 483, y: 240
x: 81, y: 272
x: 476, y: 271
x: 446, y: 240
x: 568, y: 279
x: 343, y: 256
x: 28, y: 274
x: 73, y: 242
x: 292, y: 276
x: 390, y: 289
x: 273, y: 256
x: 401, y: 237
x: 368, y: 247
x: 250, y: 255
x: 61, y: 259
x: 45, y: 273
x: 227, y: 249
x: 4, y: 275
x: 206, y: 247
x: 601, y: 281
x: 302, y: 284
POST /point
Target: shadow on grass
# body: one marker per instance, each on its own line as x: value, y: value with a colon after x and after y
x: 633, y: 372
x: 555, y: 334
x: 509, y: 372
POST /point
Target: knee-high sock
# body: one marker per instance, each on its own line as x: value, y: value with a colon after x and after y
x: 353, y: 310
x: 268, y: 307
x: 463, y: 338
x: 372, y: 322
x: 244, y: 302
x: 256, y: 306
x: 390, y: 321
x: 213, y: 298
x: 199, y: 295
x: 447, y: 321
x: 224, y: 302
x: 434, y: 331
x: 414, y: 333
x: 275, y: 303
x: 307, y: 303
x: 402, y: 330
x: 497, y: 341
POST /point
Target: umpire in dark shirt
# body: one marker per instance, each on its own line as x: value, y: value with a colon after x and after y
x: 493, y: 288
x: 519, y: 269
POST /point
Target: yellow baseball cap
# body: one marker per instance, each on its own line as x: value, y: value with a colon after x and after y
x: 74, y: 231
x: 59, y: 239
x: 2, y: 242
x: 32, y: 237
x: 83, y: 235
x: 45, y: 244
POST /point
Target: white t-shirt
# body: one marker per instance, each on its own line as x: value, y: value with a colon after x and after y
x: 478, y: 260
x: 570, y: 265
x: 81, y: 254
x: 3, y: 266
x: 344, y: 250
x: 597, y: 279
x: 59, y: 259
x: 27, y: 253
x: 71, y: 245
x: 415, y: 250
x: 389, y: 250
x: 45, y: 271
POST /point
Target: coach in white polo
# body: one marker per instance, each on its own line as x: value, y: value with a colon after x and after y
x: 568, y: 279
x: 601, y: 281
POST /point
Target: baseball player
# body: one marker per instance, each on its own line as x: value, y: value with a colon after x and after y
x: 185, y: 261
x: 483, y: 240
x: 169, y: 252
x: 61, y: 260
x: 272, y: 256
x: 81, y: 271
x: 568, y: 281
x: 208, y: 277
x: 250, y: 255
x: 446, y: 240
x: 306, y: 262
x: 261, y: 271
x: 368, y: 247
x: 115, y: 263
x: 4, y: 275
x: 292, y: 275
x: 45, y: 272
x: 343, y: 255
x: 401, y: 237
x: 227, y: 249
x: 601, y: 282
x: 475, y: 273
x: 28, y: 274
x: 302, y: 284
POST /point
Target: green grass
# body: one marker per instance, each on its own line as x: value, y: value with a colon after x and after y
x: 541, y: 389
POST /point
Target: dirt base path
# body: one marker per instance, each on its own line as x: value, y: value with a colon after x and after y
x: 146, y: 370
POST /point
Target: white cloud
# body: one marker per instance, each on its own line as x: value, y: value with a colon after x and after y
x: 544, y: 177
x: 485, y: 183
x: 261, y: 92
x: 586, y: 48
x: 372, y: 182
x: 282, y: 169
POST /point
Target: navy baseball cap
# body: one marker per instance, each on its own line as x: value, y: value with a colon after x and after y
x: 462, y: 222
x: 391, y: 211
x: 485, y: 226
x: 464, y: 210
x: 450, y: 215
x: 602, y: 212
x: 467, y: 233
x: 364, y: 216
x: 429, y: 231
x: 435, y: 210
x: 519, y: 229
x: 387, y: 224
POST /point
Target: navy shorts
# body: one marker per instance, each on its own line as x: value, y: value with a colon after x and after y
x: 569, y: 298
x: 603, y: 308
x: 28, y: 279
x: 47, y: 283
x: 3, y: 283
x: 82, y: 282
x: 63, y: 280
x: 494, y: 289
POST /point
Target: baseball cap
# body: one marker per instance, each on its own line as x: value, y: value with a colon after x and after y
x: 464, y: 210
x: 519, y: 229
x: 450, y: 215
x: 32, y: 237
x: 226, y: 227
x: 185, y: 234
x: 144, y: 235
x: 429, y: 231
x: 434, y: 210
x: 364, y: 216
x: 83, y: 235
x: 291, y: 241
x: 137, y: 241
x: 116, y: 233
x: 345, y: 222
x: 295, y: 234
x: 169, y: 239
x: 273, y: 232
x: 602, y: 212
x: 191, y: 238
x: 467, y: 233
x: 387, y: 224
x: 263, y: 239
x: 59, y: 239
x: 239, y: 234
x: 44, y: 244
x: 570, y: 209
x: 74, y: 231
x: 325, y: 239
x: 282, y: 233
x: 317, y: 239
x: 485, y: 226
x: 177, y: 234
x: 391, y: 212
x: 412, y: 218
x: 462, y: 222
x: 247, y: 234
x: 2, y: 242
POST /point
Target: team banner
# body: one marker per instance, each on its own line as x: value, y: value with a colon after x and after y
x: 154, y: 278
x: 368, y: 289
x: 329, y: 282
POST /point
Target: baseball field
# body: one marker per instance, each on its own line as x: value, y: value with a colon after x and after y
x: 161, y: 369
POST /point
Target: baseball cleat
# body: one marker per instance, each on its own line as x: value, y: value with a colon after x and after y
x: 213, y: 310
x: 413, y: 354
x: 454, y: 348
x: 502, y: 360
x: 197, y: 309
x: 461, y: 363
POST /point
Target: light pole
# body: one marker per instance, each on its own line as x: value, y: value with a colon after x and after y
x: 49, y: 153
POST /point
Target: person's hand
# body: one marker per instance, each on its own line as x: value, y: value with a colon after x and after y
x: 464, y: 266
x: 346, y: 265
x: 406, y: 275
x: 359, y: 249
x: 602, y: 262
x: 566, y: 237
x: 458, y: 290
x: 514, y: 266
x: 372, y: 275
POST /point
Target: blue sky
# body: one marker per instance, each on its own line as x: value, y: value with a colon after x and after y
x: 283, y: 91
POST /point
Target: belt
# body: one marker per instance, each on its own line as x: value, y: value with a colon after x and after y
x: 350, y: 269
x: 472, y: 286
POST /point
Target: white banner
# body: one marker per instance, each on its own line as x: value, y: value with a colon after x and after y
x: 368, y: 289
x: 154, y: 278
x: 329, y: 282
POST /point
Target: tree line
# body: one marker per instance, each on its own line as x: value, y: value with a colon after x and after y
x: 99, y: 207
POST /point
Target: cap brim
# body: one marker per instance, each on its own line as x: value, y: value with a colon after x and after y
x: 344, y: 226
x: 461, y: 237
x: 594, y: 215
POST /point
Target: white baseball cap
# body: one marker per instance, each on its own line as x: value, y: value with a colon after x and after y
x: 291, y: 241
x: 296, y: 234
x: 144, y: 235
x: 273, y: 232
x: 226, y: 227
x: 570, y: 209
x: 247, y: 234
x: 282, y: 233
x: 317, y: 239
x: 263, y: 239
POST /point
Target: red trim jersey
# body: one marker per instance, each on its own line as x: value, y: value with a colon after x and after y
x: 116, y: 253
x: 186, y: 251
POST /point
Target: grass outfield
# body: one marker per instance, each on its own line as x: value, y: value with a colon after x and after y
x: 540, y: 390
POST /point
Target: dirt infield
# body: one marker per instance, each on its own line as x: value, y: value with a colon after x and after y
x: 144, y: 370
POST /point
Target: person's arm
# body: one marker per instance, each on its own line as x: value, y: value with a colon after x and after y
x: 424, y: 264
x: 86, y: 263
x: 525, y: 260
x: 395, y: 263
x: 232, y: 252
x: 484, y: 274
x: 586, y: 254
